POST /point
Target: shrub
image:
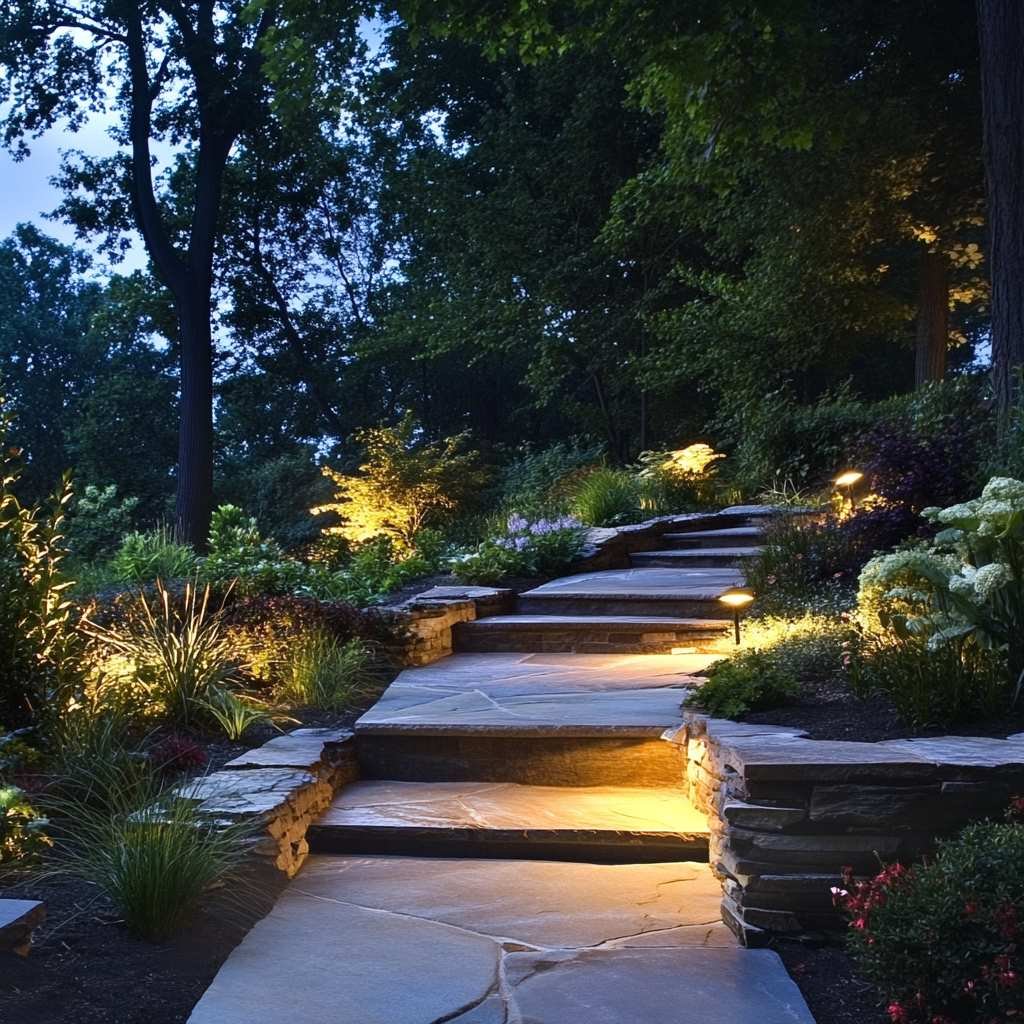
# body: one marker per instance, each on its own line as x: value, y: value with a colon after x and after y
x: 322, y: 673
x: 150, y: 849
x: 23, y: 837
x: 901, y: 584
x: 98, y: 522
x: 544, y: 547
x: 608, y: 497
x: 778, y: 438
x: 179, y: 651
x: 267, y: 632
x: 680, y: 481
x: 176, y: 753
x: 534, y: 482
x: 809, y: 647
x: 154, y: 555
x: 40, y: 648
x: 805, y: 563
x: 401, y: 487
x: 930, y: 685
x: 750, y: 681
x: 941, y: 940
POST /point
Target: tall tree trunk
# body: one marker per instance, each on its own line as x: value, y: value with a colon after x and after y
x: 195, y: 434
x: 1001, y: 40
x: 932, y: 318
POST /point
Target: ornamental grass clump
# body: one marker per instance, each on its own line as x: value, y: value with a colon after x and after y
x: 942, y: 940
x: 322, y: 672
x: 178, y: 650
x: 149, y: 848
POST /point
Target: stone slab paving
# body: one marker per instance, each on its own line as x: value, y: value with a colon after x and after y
x: 396, y: 940
x: 507, y: 806
x: 538, y: 694
x: 627, y: 584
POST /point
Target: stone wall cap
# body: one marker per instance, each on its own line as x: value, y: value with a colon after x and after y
x: 246, y: 793
x: 301, y: 748
x: 465, y: 593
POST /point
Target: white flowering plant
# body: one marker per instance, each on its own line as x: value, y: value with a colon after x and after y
x: 967, y: 587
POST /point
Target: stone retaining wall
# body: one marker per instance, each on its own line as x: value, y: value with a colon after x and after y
x: 788, y: 814
x: 281, y: 788
x: 427, y: 619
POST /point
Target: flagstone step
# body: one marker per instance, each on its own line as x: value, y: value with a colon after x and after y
x: 587, y: 634
x: 697, y: 558
x: 410, y: 940
x: 540, y: 719
x: 607, y: 824
x: 736, y: 536
x: 679, y: 592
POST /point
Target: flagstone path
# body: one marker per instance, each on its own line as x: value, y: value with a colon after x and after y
x: 519, y: 850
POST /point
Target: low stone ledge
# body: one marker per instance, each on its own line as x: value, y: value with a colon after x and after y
x: 18, y: 920
x: 609, y: 547
x: 428, y: 618
x: 788, y: 814
x: 281, y: 788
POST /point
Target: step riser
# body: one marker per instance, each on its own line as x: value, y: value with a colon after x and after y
x: 583, y: 848
x: 645, y: 561
x: 683, y: 543
x: 680, y: 608
x: 539, y: 761
x: 589, y: 642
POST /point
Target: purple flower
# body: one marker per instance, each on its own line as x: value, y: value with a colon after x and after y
x: 516, y: 523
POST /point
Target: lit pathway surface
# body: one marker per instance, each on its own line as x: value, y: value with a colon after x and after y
x: 538, y: 693
x: 397, y: 940
x: 520, y: 849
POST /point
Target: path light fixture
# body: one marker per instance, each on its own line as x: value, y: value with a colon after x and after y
x: 848, y: 479
x: 736, y: 598
x: 844, y: 485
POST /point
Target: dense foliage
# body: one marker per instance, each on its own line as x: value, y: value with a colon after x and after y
x: 941, y: 940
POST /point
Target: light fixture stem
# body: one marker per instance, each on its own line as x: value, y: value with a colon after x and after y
x: 736, y: 623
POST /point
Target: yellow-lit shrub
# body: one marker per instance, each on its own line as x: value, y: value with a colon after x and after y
x: 401, y: 486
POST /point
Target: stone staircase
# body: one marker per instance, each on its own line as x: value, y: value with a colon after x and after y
x: 636, y: 611
x: 541, y: 737
x: 520, y: 846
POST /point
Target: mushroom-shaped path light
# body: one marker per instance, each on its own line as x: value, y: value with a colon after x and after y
x: 736, y: 598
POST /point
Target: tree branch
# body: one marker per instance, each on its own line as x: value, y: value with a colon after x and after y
x: 166, y: 260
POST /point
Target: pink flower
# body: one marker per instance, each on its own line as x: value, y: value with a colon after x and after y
x: 897, y: 1013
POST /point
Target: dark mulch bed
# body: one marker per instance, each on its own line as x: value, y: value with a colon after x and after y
x: 828, y: 710
x: 834, y: 992
x: 85, y: 967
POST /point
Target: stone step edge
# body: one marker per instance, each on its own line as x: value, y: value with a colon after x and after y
x: 280, y: 788
x: 620, y: 624
x: 18, y: 920
x: 692, y: 554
